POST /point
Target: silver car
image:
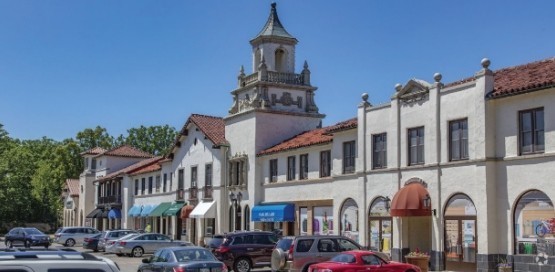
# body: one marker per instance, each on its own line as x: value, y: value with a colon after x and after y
x: 69, y: 236
x: 109, y: 236
x: 110, y: 247
x: 140, y: 244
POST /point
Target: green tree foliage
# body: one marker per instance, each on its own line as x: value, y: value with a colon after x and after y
x: 97, y: 137
x: 154, y: 139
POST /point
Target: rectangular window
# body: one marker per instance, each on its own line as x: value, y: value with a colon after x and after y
x: 208, y: 175
x: 531, y: 134
x: 136, y: 187
x: 303, y: 165
x: 86, y: 163
x: 171, y: 182
x: 93, y: 163
x: 149, y: 185
x: 325, y: 163
x: 273, y: 170
x: 379, y: 151
x: 165, y: 182
x: 291, y: 168
x: 158, y: 183
x: 180, y: 179
x: 194, y: 177
x: 143, y: 186
x: 458, y: 139
x: 416, y: 145
x: 349, y: 154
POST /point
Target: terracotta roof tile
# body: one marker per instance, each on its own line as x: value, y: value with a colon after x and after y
x: 519, y: 79
x: 126, y: 151
x: 213, y: 127
x: 524, y: 78
x: 94, y: 151
x: 147, y: 169
x: 129, y: 169
x: 311, y: 137
x: 73, y: 186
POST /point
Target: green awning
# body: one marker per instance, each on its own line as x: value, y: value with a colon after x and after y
x: 158, y: 211
x: 174, y: 209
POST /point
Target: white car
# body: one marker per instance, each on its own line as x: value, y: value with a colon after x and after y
x: 70, y: 236
x: 143, y: 243
x: 110, y: 246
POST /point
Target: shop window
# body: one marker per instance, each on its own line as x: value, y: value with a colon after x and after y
x: 303, y: 212
x: 349, y: 220
x: 322, y: 220
x: 380, y: 226
x: 534, y: 224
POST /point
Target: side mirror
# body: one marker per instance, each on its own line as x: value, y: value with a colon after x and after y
x: 146, y: 260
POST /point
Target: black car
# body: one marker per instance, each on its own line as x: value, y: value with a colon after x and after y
x: 27, y: 237
x: 92, y: 242
x: 191, y: 258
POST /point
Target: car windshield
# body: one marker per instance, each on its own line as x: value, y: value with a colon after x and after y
x: 33, y: 231
x: 284, y: 243
x: 343, y: 258
x: 196, y: 254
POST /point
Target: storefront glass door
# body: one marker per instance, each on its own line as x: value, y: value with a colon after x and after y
x: 460, y: 242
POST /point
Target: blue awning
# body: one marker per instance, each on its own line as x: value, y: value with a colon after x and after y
x: 273, y: 213
x: 147, y: 209
x: 114, y: 213
x: 134, y: 211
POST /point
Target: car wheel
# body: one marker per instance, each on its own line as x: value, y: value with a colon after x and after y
x: 138, y: 251
x: 70, y: 242
x: 242, y: 265
x: 9, y: 244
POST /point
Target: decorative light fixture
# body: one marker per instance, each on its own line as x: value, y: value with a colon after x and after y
x: 387, y: 202
x: 427, y: 201
x: 232, y: 197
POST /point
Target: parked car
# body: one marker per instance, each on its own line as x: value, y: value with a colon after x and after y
x: 138, y: 245
x: 48, y: 260
x: 70, y: 236
x: 110, y: 246
x: 27, y: 237
x: 214, y: 242
x: 361, y: 260
x: 92, y: 242
x: 306, y: 250
x: 182, y: 259
x: 111, y: 235
x: 243, y: 251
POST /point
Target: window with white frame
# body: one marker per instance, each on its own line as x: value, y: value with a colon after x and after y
x: 349, y: 154
x: 273, y: 170
x: 325, y: 163
x: 238, y: 170
x: 379, y: 151
x: 303, y: 165
x: 194, y: 176
x: 416, y: 145
x: 458, y: 140
x: 291, y: 168
x: 208, y: 175
x: 531, y: 131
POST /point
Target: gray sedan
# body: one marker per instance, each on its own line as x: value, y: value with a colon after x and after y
x: 138, y: 245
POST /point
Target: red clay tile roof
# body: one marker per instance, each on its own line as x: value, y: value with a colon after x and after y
x: 126, y: 151
x: 129, y: 169
x: 519, y: 79
x: 213, y: 127
x: 73, y: 186
x: 311, y: 137
x: 147, y: 169
x: 94, y: 151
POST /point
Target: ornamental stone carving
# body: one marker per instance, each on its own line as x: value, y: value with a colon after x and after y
x: 287, y: 100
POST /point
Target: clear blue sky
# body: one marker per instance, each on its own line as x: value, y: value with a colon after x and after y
x: 70, y: 65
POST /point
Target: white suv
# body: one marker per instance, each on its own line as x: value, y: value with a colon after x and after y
x: 69, y: 236
x: 44, y: 260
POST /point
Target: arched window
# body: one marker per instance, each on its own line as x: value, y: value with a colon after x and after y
x: 247, y: 218
x: 280, y: 60
x: 534, y: 221
x: 380, y: 236
x: 460, y: 232
x: 349, y: 219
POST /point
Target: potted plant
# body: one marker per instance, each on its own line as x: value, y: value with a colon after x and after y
x: 419, y: 259
x: 504, y: 266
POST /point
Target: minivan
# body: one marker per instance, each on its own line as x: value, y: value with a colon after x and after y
x: 69, y: 236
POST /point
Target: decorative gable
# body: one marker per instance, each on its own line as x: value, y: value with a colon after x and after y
x: 415, y: 90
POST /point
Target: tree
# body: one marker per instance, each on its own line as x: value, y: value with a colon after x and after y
x: 97, y: 137
x: 154, y: 139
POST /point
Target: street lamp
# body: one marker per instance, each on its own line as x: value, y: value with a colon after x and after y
x: 427, y: 201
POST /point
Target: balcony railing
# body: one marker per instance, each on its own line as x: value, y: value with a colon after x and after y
x: 207, y: 192
x: 115, y: 199
x: 193, y: 193
x: 275, y: 77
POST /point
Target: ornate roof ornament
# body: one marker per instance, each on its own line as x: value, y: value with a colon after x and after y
x: 273, y: 27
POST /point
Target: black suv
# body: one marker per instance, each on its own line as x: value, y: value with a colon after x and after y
x: 243, y: 251
x: 27, y: 237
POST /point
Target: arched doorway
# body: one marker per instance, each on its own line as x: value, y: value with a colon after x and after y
x: 349, y: 220
x: 380, y: 226
x: 461, y: 239
x: 534, y: 220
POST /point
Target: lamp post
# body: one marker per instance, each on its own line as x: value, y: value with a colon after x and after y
x: 427, y: 201
x: 235, y: 200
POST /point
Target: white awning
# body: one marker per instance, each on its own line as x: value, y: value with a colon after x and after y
x: 204, y: 210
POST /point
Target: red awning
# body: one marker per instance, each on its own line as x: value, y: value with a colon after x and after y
x: 186, y: 210
x: 409, y: 201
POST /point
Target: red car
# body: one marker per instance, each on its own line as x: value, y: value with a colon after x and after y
x: 361, y: 260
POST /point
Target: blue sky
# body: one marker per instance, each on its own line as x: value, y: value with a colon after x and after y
x: 70, y: 65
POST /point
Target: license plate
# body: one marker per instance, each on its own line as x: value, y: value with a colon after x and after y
x: 205, y: 270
